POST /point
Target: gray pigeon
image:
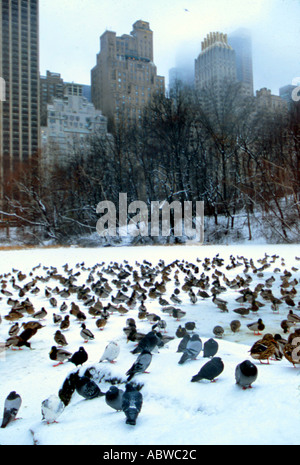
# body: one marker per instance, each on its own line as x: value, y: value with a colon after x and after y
x: 192, y: 350
x: 148, y: 342
x: 140, y: 365
x: 87, y: 388
x: 245, y: 374
x: 11, y: 407
x: 52, y: 408
x: 182, y: 344
x: 114, y: 398
x: 210, y: 348
x: 132, y: 404
x: 210, y: 370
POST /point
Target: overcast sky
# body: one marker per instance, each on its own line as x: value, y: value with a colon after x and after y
x: 70, y: 32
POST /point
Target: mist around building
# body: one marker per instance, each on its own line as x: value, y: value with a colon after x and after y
x: 208, y: 136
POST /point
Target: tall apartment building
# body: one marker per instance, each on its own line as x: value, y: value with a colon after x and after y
x: 215, y: 65
x: 51, y: 86
x: 125, y: 77
x: 19, y: 67
x: 240, y: 41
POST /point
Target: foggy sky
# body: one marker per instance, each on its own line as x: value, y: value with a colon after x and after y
x: 70, y: 32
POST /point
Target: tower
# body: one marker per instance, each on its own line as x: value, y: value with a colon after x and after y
x: 125, y: 77
x: 240, y: 41
x: 215, y: 63
x: 19, y: 68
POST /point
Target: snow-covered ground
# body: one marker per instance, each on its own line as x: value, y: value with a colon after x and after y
x: 175, y: 411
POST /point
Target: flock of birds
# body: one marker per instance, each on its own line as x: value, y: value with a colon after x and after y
x: 116, y: 289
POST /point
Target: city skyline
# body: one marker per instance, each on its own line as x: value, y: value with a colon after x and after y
x: 179, y: 28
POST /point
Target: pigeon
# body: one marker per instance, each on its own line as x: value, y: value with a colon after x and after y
x: 210, y: 370
x: 210, y: 348
x: 246, y: 374
x: 52, y: 408
x: 148, y: 342
x: 140, y: 365
x: 114, y: 398
x: 182, y: 344
x: 87, y: 388
x: 131, y: 403
x: 79, y: 357
x: 111, y: 352
x: 192, y: 350
x: 68, y: 388
x: 11, y: 407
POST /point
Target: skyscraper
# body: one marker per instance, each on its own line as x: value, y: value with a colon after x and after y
x: 215, y: 64
x: 240, y: 41
x: 125, y: 77
x: 19, y: 67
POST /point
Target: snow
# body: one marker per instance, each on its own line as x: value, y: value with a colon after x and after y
x: 175, y: 411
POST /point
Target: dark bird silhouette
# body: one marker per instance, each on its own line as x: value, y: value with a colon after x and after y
x: 210, y: 348
x: 148, y: 342
x: 114, y: 398
x: 79, y: 357
x: 132, y: 404
x: 210, y: 370
x: 246, y: 374
x: 87, y: 388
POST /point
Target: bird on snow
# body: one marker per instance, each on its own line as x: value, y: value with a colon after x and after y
x: 79, y: 357
x: 65, y: 324
x: 12, y: 405
x: 210, y: 348
x: 257, y: 326
x: 235, y: 325
x: 140, y: 365
x: 218, y: 331
x: 52, y: 408
x: 183, y: 343
x: 86, y: 334
x: 60, y: 339
x: 210, y: 370
x: 148, y: 342
x: 87, y: 388
x: 132, y: 404
x: 246, y: 374
x: 111, y: 352
x: 114, y: 398
x: 59, y: 355
x: 192, y: 350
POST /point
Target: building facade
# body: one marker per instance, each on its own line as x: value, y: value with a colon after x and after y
x: 216, y: 63
x: 70, y: 122
x: 241, y: 43
x: 125, y: 77
x: 19, y: 68
x: 266, y: 101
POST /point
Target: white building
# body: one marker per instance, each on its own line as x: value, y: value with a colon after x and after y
x: 70, y: 123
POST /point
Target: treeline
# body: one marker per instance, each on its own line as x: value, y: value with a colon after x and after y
x: 223, y: 150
